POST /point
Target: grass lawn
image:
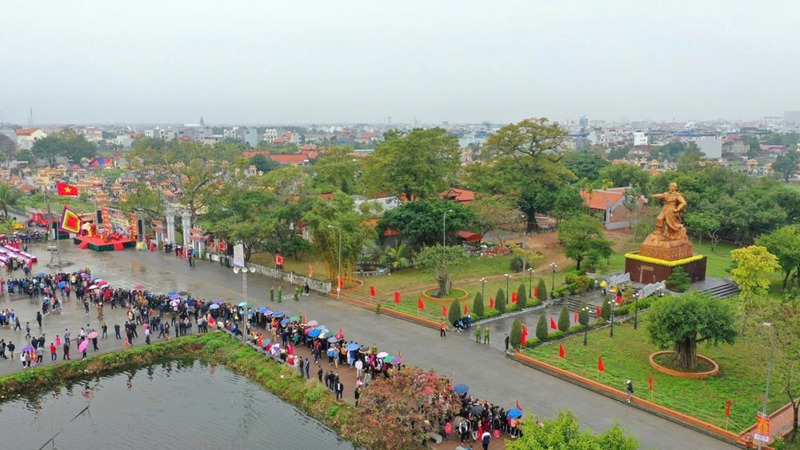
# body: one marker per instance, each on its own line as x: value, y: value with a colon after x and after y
x: 741, y: 378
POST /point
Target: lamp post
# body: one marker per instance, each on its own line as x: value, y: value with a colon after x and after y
x: 483, y: 289
x: 508, y: 294
x: 586, y: 310
x: 636, y: 311
x: 244, y: 270
x: 530, y: 282
x: 769, y: 370
x: 553, y: 266
x: 339, y: 272
x: 612, y: 303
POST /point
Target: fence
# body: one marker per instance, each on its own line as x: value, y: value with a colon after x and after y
x: 615, y: 280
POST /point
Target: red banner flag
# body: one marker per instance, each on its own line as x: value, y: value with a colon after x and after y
x: 420, y: 303
x: 553, y: 324
x: 491, y: 302
x: 650, y: 382
x: 619, y: 298
x: 444, y: 311
x: 397, y: 297
x: 466, y: 310
x: 600, y: 366
x: 514, y: 297
x: 597, y: 312
x: 341, y: 283
x: 372, y: 291
x: 278, y: 260
x: 524, y: 337
x: 561, y: 352
x: 575, y: 317
x: 66, y: 190
x: 536, y: 292
x: 728, y: 408
x: 310, y: 271
x: 70, y: 221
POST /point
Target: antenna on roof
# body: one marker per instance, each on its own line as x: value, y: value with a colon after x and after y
x: 30, y: 119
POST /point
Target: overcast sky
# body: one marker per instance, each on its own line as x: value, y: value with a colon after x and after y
x: 324, y: 61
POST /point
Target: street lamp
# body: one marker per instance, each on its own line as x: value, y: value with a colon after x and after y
x: 508, y: 294
x: 339, y: 272
x: 769, y: 371
x: 612, y: 303
x: 244, y: 270
x: 636, y: 311
x: 483, y: 289
x: 530, y: 282
x: 553, y: 266
x: 586, y: 310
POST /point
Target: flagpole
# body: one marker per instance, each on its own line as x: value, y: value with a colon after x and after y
x: 50, y: 227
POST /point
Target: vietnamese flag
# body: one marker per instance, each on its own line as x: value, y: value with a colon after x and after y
x: 536, y: 292
x: 561, y: 352
x: 444, y: 311
x: 600, y: 366
x: 598, y: 312
x: 553, y: 324
x: 466, y: 309
x: 66, y: 190
x: 650, y: 382
x: 372, y: 291
x: 728, y: 408
x: 341, y: 283
x: 491, y: 302
x: 524, y: 337
x: 397, y: 297
x: 514, y: 297
x: 420, y: 303
x: 575, y: 317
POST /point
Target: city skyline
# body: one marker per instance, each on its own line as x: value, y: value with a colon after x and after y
x: 358, y: 62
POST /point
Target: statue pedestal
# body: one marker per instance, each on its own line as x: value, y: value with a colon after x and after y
x: 659, y: 255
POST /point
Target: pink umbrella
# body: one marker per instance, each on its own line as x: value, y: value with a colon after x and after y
x: 138, y: 287
x: 102, y: 283
x: 83, y: 346
x: 92, y: 335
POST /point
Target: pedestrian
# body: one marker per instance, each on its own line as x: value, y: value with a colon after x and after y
x: 66, y: 350
x: 486, y: 335
x: 53, y: 351
x: 104, y: 328
x: 506, y: 340
x: 339, y: 390
x: 11, y: 348
x: 478, y: 334
x: 485, y: 438
x: 357, y: 394
x: 629, y: 388
x: 308, y: 367
x: 39, y: 319
x: 443, y: 329
x: 319, y: 372
x: 116, y: 331
x: 27, y: 330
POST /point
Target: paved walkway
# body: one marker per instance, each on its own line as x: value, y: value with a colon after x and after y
x: 484, y: 368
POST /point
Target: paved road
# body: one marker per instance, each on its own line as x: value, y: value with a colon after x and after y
x: 485, y: 368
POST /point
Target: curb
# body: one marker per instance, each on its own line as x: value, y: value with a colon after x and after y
x: 637, y: 402
x: 389, y: 312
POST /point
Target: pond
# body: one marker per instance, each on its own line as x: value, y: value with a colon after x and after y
x: 173, y: 405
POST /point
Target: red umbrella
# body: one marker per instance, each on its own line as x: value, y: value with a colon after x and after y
x: 138, y: 287
x: 93, y: 335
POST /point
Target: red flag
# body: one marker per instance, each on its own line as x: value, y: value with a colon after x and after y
x: 600, y: 366
x: 310, y: 271
x: 728, y: 408
x: 491, y: 302
x: 536, y: 292
x: 278, y: 260
x: 650, y: 382
x: 372, y: 291
x: 513, y: 297
x: 466, y: 309
x: 66, y: 190
x: 444, y: 311
x: 598, y: 312
x: 420, y: 303
x: 619, y: 298
x: 553, y: 324
x: 397, y: 297
x: 575, y: 317
x: 561, y: 352
x: 70, y: 221
x: 341, y: 283
x: 524, y: 337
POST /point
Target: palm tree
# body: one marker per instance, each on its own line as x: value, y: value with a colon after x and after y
x: 397, y: 257
x: 9, y: 197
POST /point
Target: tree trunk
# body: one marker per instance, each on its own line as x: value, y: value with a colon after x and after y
x: 686, y: 353
x: 578, y: 260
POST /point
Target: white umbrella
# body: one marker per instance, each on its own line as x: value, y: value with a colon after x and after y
x: 93, y: 287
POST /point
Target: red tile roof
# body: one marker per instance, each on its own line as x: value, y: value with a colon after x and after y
x: 25, y: 131
x: 290, y: 159
x: 602, y: 199
x: 459, y: 195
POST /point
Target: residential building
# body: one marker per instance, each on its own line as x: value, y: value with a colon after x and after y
x: 26, y: 137
x: 614, y: 206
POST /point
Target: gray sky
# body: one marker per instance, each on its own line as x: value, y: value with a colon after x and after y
x: 302, y: 61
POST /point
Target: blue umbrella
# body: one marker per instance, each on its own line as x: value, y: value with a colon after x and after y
x: 314, y: 333
x: 219, y: 301
x: 514, y: 413
x: 93, y: 281
x: 61, y: 284
x: 278, y: 314
x: 213, y: 306
x: 352, y: 347
x: 263, y: 310
x: 42, y: 275
x: 284, y: 322
x: 461, y: 389
x: 171, y: 293
x: 333, y: 340
x: 175, y: 297
x: 265, y: 343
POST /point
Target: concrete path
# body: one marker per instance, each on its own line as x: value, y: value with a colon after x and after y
x: 484, y: 368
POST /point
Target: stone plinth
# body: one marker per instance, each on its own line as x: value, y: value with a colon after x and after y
x: 659, y: 246
x: 647, y: 269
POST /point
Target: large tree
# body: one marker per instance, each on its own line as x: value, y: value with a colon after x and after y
x: 336, y: 169
x: 564, y: 432
x: 581, y: 236
x: 585, y: 165
x: 785, y: 323
x: 9, y: 197
x: 497, y: 215
x: 67, y: 144
x: 784, y: 243
x: 683, y: 322
x: 331, y: 223
x: 785, y: 165
x: 440, y: 260
x: 753, y: 264
x: 415, y: 165
x: 423, y: 222
x: 625, y: 174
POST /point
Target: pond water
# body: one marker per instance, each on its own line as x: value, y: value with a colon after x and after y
x: 174, y: 405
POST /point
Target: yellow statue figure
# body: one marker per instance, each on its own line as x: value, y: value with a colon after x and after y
x: 674, y: 204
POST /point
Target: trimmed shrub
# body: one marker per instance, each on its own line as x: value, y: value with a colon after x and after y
x: 584, y: 283
x: 541, y: 290
x: 541, y: 328
x: 563, y: 320
x: 516, y: 334
x: 679, y: 281
x: 500, y: 300
x: 454, y: 313
x: 517, y: 263
x: 522, y: 296
x: 477, y: 305
x: 583, y: 316
x: 556, y: 335
x: 605, y: 311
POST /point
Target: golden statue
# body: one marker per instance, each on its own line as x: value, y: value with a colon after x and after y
x: 669, y: 241
x: 674, y: 204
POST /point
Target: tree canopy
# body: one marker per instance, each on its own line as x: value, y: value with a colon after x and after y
x: 422, y: 222
x: 752, y: 264
x: 582, y: 237
x: 67, y: 144
x: 564, y: 432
